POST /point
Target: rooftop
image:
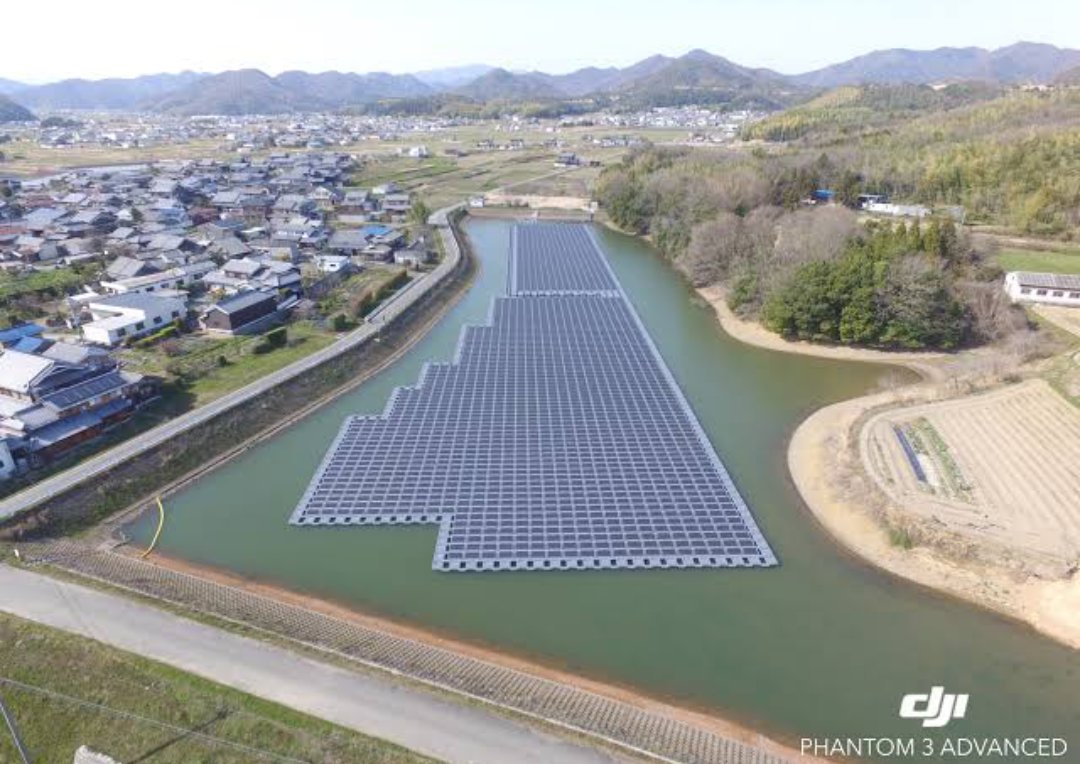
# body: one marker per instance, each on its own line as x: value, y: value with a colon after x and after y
x: 238, y: 302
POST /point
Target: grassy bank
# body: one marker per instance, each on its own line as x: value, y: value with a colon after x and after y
x: 304, y: 338
x: 1039, y: 261
x: 86, y: 693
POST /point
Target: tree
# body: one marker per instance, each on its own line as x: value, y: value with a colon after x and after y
x: 715, y: 248
x: 419, y: 213
x: 806, y: 307
x: 918, y: 309
x: 848, y: 188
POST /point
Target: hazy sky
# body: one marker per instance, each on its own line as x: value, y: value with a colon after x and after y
x: 118, y: 38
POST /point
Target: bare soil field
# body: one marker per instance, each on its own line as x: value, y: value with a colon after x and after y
x: 1002, y: 467
x: 1061, y: 316
x: 827, y: 469
x: 533, y: 201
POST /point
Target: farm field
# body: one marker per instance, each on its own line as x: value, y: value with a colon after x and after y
x: 27, y: 158
x: 1064, y: 317
x: 1001, y: 467
x: 440, y: 180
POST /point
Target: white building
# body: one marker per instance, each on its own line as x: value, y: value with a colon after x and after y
x: 1051, y: 288
x: 898, y: 210
x: 120, y: 317
x: 332, y: 263
x: 174, y: 278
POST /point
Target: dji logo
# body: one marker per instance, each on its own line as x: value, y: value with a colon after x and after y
x: 936, y: 709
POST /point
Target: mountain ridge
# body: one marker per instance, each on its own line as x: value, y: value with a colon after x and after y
x: 657, y: 80
x: 1013, y: 64
x: 14, y: 112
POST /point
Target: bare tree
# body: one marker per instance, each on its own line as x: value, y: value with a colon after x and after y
x: 813, y: 234
x: 716, y: 248
x: 993, y: 315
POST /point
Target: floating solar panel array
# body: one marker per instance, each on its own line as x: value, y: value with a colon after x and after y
x: 556, y: 439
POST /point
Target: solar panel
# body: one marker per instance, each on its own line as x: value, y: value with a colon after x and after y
x: 554, y: 258
x: 556, y: 439
x: 83, y: 391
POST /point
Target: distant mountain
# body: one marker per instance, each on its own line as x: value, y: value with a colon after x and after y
x: 501, y: 85
x: 13, y: 112
x: 595, y: 80
x: 109, y: 94
x: 250, y: 91
x: 254, y: 92
x: 700, y: 70
x: 244, y: 91
x: 701, y: 77
x: 586, y: 81
x: 452, y: 76
x: 7, y: 87
x: 697, y: 75
x: 1019, y: 63
x: 338, y: 90
x: 1031, y: 62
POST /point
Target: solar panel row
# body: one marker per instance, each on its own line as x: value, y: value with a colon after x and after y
x: 557, y: 439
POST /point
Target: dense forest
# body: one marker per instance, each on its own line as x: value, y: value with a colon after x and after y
x: 1010, y: 160
x: 1005, y: 157
x: 808, y: 272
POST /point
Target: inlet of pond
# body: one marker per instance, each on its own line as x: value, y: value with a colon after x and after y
x: 820, y: 645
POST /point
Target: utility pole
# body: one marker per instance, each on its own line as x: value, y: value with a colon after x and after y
x: 9, y: 719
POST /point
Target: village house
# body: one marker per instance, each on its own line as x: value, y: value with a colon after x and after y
x: 349, y: 242
x: 118, y: 318
x: 247, y: 274
x: 125, y: 267
x: 51, y: 403
x: 414, y: 255
x: 1046, y: 288
x: 333, y: 263
x: 243, y: 313
x: 397, y: 203
x: 171, y: 279
x: 357, y: 201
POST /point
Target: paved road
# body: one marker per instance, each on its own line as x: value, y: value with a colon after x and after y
x: 368, y: 703
x: 62, y: 482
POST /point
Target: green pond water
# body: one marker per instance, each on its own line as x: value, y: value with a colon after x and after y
x: 821, y: 645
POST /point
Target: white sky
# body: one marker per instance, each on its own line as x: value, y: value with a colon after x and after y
x: 124, y: 38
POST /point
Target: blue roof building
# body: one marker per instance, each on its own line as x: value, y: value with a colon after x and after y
x: 10, y: 336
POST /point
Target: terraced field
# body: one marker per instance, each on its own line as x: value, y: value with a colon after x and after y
x: 1002, y: 467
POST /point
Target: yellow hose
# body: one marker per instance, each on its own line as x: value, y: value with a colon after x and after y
x: 157, y: 533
